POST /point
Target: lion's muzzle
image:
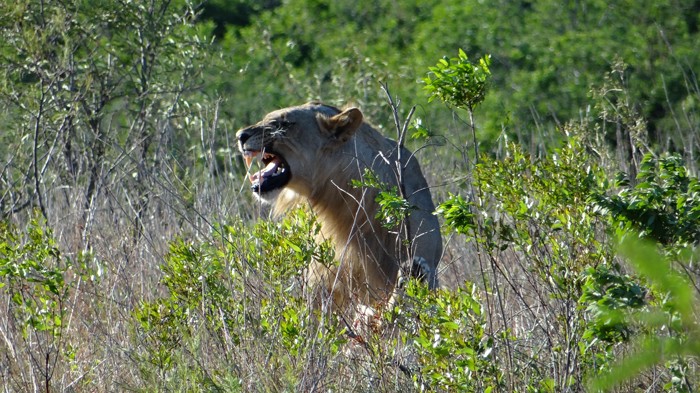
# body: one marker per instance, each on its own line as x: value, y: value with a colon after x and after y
x: 275, y: 173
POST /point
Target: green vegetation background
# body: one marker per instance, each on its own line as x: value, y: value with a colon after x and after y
x: 546, y: 58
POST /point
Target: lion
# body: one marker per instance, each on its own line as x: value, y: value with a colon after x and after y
x: 312, y: 153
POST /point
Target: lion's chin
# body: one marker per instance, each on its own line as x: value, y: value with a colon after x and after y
x: 268, y: 197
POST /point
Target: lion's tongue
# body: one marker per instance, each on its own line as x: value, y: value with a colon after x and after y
x: 266, y: 172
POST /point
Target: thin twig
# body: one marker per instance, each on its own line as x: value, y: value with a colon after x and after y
x: 35, y: 154
x: 405, y: 231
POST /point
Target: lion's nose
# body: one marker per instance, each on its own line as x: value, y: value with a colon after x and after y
x: 242, y: 135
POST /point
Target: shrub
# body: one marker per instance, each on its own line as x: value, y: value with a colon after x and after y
x: 240, y: 298
x: 36, y: 280
x: 448, y: 330
x: 663, y: 205
x: 668, y: 334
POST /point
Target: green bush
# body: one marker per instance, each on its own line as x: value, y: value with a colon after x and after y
x: 668, y: 334
x: 657, y: 217
x: 458, y: 82
x: 241, y: 297
x: 663, y: 202
x: 550, y: 216
x: 37, y: 282
x: 448, y: 331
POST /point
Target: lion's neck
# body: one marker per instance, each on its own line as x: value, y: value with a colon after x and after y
x: 346, y: 215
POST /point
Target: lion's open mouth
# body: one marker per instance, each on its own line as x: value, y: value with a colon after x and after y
x: 274, y: 175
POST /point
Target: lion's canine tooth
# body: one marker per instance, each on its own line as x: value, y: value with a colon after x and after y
x: 249, y: 156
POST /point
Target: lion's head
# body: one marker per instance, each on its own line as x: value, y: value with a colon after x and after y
x: 312, y: 153
x: 292, y: 144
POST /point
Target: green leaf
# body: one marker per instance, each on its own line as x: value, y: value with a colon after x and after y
x: 294, y: 246
x: 651, y: 351
x: 646, y: 259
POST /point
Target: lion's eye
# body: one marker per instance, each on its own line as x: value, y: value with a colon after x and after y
x: 277, y: 125
x: 280, y: 124
x: 272, y: 126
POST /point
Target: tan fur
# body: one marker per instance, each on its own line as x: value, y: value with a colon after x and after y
x: 325, y: 149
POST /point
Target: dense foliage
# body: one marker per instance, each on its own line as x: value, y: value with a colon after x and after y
x: 562, y: 150
x: 546, y: 56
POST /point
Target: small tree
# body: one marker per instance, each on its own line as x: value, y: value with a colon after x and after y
x: 459, y: 83
x: 92, y: 93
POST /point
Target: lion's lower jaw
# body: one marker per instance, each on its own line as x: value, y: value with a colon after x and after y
x: 269, y: 197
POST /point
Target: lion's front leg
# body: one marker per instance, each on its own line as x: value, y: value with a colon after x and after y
x: 424, y: 271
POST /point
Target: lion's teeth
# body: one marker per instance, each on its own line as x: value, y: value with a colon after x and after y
x: 249, y: 156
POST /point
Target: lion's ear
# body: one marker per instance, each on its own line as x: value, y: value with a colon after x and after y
x: 342, y: 126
